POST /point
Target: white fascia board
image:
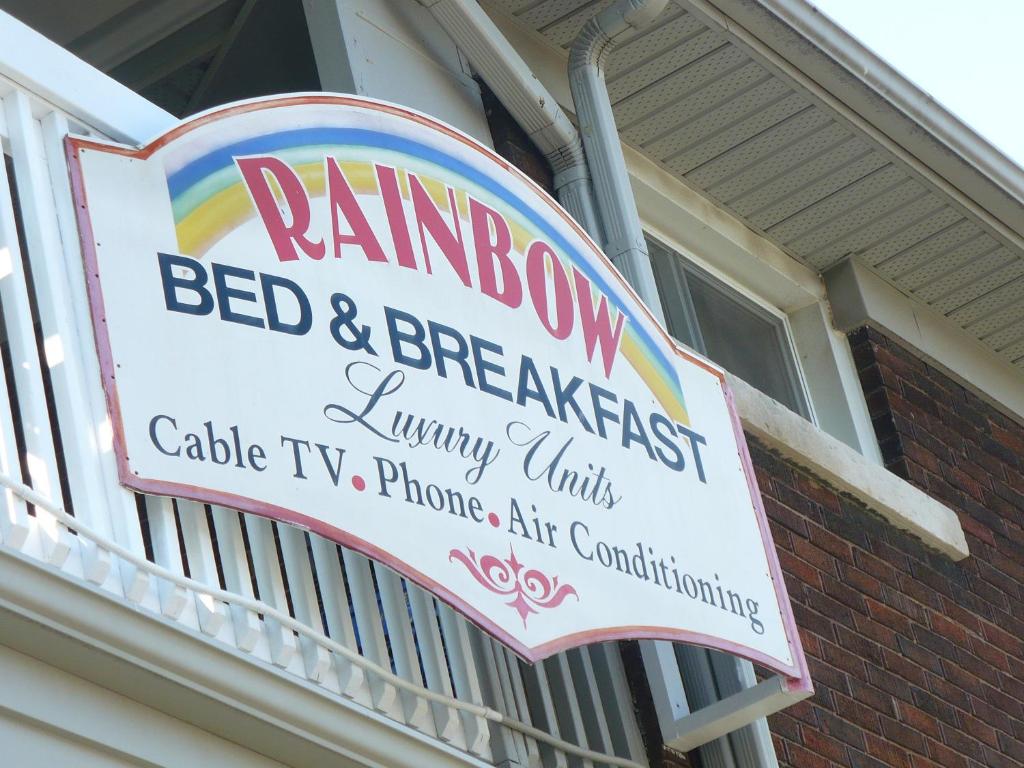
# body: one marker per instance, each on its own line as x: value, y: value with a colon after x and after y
x: 84, y: 93
x: 80, y: 629
x: 860, y: 297
x: 841, y: 467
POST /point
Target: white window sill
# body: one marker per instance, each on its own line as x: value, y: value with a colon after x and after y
x: 841, y: 467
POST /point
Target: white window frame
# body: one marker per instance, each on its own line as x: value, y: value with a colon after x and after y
x: 717, y: 242
x: 754, y: 298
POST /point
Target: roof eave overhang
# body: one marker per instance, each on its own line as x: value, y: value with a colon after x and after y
x: 810, y: 48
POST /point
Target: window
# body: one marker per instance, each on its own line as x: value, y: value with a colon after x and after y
x: 716, y: 320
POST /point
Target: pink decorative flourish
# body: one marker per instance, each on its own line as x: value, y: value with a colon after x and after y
x: 527, y: 586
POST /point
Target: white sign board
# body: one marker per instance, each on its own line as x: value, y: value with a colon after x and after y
x: 344, y: 315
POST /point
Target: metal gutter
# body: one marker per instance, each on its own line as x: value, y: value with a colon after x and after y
x: 527, y: 100
x: 624, y: 237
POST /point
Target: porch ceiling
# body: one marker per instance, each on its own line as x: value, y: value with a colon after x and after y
x: 708, y: 108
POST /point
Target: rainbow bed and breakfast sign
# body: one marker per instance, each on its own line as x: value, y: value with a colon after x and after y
x: 344, y: 315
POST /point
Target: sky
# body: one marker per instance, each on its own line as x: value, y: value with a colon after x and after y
x: 967, y: 54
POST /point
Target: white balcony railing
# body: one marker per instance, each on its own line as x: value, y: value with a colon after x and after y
x: 286, y: 598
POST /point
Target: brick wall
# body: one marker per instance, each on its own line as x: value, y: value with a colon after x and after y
x: 917, y: 661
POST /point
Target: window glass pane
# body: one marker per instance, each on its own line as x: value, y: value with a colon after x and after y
x: 744, y: 340
x: 672, y: 288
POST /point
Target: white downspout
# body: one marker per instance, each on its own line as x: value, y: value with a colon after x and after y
x: 526, y: 99
x: 624, y: 237
x: 626, y: 247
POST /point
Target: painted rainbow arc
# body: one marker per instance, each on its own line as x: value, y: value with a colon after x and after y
x: 209, y: 200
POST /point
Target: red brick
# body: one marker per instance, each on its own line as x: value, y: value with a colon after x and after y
x: 945, y: 756
x: 990, y: 715
x: 858, y: 644
x: 889, y: 753
x: 785, y: 516
x: 804, y: 758
x: 889, y: 617
x: 844, y: 593
x: 904, y: 735
x: 949, y: 692
x: 958, y: 614
x: 979, y: 668
x: 920, y: 721
x: 782, y: 725
x: 906, y: 668
x: 801, y: 569
x: 960, y: 741
x: 880, y: 633
x: 989, y: 654
x: 1014, y: 440
x: 861, y: 581
x: 939, y: 709
x: 979, y: 729
x: 947, y: 628
x: 816, y: 556
x: 831, y: 543
x: 878, y: 568
x: 964, y: 482
x: 922, y: 456
x: 977, y: 529
x: 823, y: 672
x: 845, y: 728
x: 825, y: 746
x: 842, y: 659
x: 1012, y: 747
x: 1004, y: 640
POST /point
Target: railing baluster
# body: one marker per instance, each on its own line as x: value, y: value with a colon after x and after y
x: 611, y: 681
x: 570, y: 720
x: 163, y: 531
x: 403, y: 648
x: 25, y: 357
x: 588, y: 698
x: 435, y: 669
x: 248, y: 627
x: 506, y: 745
x: 195, y: 532
x: 14, y: 520
x: 81, y: 405
x: 535, y: 681
x: 383, y: 694
x: 465, y: 671
x: 267, y: 566
x: 517, y: 693
x: 304, y: 600
x: 327, y: 557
